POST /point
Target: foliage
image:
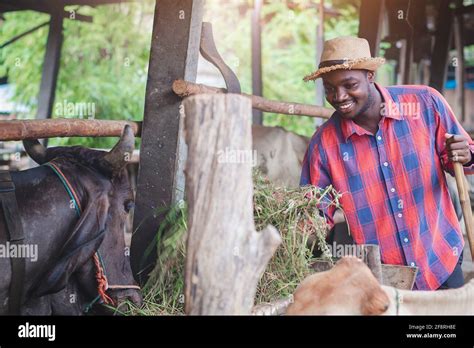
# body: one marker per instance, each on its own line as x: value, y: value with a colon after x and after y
x: 103, y: 63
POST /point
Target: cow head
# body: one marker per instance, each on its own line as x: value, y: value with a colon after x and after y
x: 101, y: 182
x: 348, y: 288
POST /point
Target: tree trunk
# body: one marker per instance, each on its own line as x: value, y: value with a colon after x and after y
x: 226, y: 256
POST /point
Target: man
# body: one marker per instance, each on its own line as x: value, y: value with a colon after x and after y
x: 385, y: 150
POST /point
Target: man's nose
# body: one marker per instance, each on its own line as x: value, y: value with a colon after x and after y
x: 340, y: 95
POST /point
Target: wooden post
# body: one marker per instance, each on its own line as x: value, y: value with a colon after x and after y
x: 257, y: 85
x: 440, y: 53
x: 371, y: 257
x: 174, y: 55
x: 51, y: 65
x: 465, y: 204
x: 225, y: 255
x: 370, y: 23
x: 460, y: 67
x: 319, y: 88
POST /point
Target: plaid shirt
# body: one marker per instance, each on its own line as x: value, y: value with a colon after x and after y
x: 394, y: 191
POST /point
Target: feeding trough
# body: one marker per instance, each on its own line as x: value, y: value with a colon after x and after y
x: 397, y: 276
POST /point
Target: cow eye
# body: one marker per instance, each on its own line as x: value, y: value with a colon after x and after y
x: 128, y: 205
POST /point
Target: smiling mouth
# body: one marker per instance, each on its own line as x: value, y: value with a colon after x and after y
x: 346, y: 107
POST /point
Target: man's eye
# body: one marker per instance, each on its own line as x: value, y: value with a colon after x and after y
x: 128, y: 205
x: 351, y: 85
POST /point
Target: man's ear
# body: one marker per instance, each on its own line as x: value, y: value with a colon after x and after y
x: 79, y: 248
x: 371, y: 76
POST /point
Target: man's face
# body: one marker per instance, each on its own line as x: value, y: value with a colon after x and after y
x: 348, y: 91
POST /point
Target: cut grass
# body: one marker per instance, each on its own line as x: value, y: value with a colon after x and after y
x: 293, y: 212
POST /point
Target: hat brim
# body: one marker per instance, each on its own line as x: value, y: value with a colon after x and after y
x: 371, y: 64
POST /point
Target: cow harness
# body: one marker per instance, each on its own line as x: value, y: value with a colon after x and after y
x: 15, y: 236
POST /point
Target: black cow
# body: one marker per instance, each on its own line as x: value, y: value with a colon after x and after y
x: 63, y: 277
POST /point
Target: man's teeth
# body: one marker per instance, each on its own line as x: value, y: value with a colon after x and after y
x: 346, y: 106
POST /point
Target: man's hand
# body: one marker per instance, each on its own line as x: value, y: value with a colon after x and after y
x: 458, y: 148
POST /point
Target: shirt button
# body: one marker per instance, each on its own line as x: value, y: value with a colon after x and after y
x: 406, y: 240
x: 400, y: 215
x: 379, y: 138
x: 392, y: 190
x: 412, y: 264
x: 385, y: 164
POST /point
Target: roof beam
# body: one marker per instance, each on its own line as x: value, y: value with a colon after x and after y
x: 39, y: 6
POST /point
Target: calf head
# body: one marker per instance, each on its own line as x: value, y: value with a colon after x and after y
x: 348, y: 288
x: 96, y: 243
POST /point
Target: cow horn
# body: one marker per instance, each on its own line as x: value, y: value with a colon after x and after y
x: 35, y: 150
x: 117, y: 158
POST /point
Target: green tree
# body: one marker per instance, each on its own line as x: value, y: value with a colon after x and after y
x: 103, y: 64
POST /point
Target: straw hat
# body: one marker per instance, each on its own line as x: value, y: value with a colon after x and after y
x: 346, y: 52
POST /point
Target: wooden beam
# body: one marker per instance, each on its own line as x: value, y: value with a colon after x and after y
x: 49, y: 6
x: 174, y: 55
x: 257, y: 85
x: 94, y: 2
x: 410, y: 40
x: 370, y: 23
x: 63, y: 127
x: 50, y: 66
x: 440, y: 56
x: 464, y: 9
x: 186, y: 88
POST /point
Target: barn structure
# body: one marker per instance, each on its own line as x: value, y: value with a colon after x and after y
x: 418, y: 36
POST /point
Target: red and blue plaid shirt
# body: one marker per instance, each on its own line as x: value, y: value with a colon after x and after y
x: 394, y: 191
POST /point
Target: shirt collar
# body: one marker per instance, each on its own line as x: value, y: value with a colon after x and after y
x: 389, y: 109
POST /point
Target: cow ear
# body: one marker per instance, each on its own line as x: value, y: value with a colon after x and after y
x: 78, y: 249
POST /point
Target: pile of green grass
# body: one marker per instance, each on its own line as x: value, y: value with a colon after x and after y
x: 293, y: 212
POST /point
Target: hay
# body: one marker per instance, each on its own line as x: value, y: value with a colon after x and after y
x: 293, y: 212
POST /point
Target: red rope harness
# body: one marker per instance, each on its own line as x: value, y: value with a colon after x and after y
x: 102, y: 283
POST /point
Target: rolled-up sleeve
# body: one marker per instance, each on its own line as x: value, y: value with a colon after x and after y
x: 314, y: 172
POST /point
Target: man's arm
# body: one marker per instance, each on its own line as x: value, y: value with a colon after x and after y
x: 452, y: 141
x: 314, y: 172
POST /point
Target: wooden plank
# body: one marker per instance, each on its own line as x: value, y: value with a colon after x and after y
x: 160, y: 183
x: 63, y: 127
x: 257, y: 85
x: 50, y: 65
x: 370, y: 23
x: 185, y: 88
x: 439, y: 60
x: 225, y: 255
